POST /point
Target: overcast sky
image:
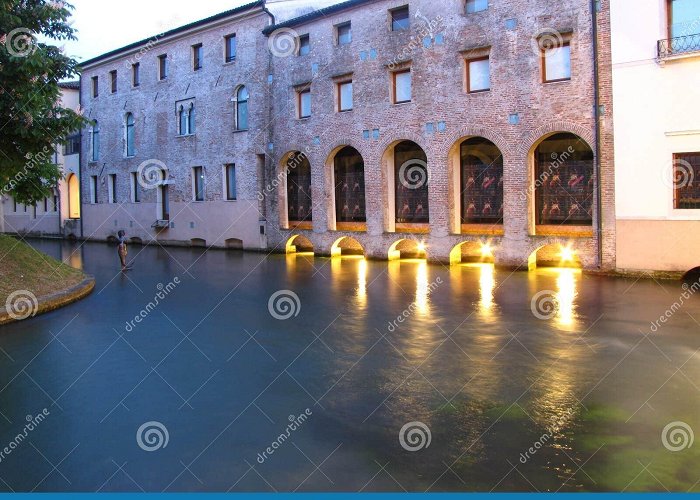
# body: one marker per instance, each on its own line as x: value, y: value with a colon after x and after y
x: 104, y: 25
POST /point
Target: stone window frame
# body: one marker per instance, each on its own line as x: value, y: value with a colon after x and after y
x: 230, y: 55
x: 193, y: 180
x: 471, y: 54
x: 403, y: 68
x: 236, y: 102
x: 466, y: 6
x: 184, y: 109
x: 225, y: 178
x: 126, y: 134
x: 390, y: 18
x: 113, y: 81
x: 197, y: 52
x: 163, y: 67
x: 95, y: 87
x: 136, y: 75
x: 135, y: 194
x: 336, y: 30
x: 95, y: 142
x: 307, y: 38
x: 564, y: 39
x: 112, y: 188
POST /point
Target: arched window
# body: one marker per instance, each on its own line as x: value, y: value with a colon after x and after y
x: 73, y: 197
x: 190, y: 120
x: 242, y: 109
x: 411, y: 179
x: 564, y: 181
x: 482, y: 182
x: 95, y: 141
x: 299, y: 202
x: 130, y: 146
x: 182, y: 118
x: 349, y: 171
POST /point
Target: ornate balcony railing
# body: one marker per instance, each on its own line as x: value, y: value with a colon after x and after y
x: 678, y: 45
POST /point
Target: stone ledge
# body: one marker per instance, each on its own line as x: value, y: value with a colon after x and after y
x: 56, y: 300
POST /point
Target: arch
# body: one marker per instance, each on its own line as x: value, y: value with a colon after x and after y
x: 472, y: 252
x: 346, y: 189
x: 455, y: 139
x: 73, y: 197
x: 406, y: 195
x: 347, y: 246
x: 407, y: 249
x: 241, y: 115
x: 198, y: 242
x: 529, y: 143
x: 299, y: 244
x: 559, y: 254
x: 234, y: 244
x: 297, y: 195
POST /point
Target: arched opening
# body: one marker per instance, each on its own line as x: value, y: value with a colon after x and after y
x: 349, y: 190
x: 198, y: 242
x: 73, y: 197
x: 472, y: 252
x: 299, y: 245
x: 299, y: 200
x: 234, y: 244
x: 347, y: 246
x: 136, y: 241
x: 408, y: 249
x: 564, y: 181
x: 407, y: 178
x: 480, y: 182
x: 559, y: 255
x: 692, y: 278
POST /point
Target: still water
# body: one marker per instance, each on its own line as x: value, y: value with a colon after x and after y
x: 584, y: 395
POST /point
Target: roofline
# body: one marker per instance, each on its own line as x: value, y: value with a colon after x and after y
x: 312, y: 16
x: 172, y: 32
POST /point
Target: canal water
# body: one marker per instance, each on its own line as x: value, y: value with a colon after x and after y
x: 247, y: 372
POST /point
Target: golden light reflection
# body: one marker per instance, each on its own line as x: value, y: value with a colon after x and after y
x: 487, y: 284
x: 422, y: 288
x: 566, y: 296
x: 362, y: 283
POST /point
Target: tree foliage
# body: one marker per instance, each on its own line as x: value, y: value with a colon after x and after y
x: 32, y: 120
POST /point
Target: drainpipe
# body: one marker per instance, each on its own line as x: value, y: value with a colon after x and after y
x: 80, y: 163
x: 596, y: 82
x: 267, y: 11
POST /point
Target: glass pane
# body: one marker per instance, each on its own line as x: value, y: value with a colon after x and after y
x: 231, y: 182
x: 482, y: 182
x: 349, y: 186
x: 299, y: 188
x: 346, y: 96
x: 344, y: 34
x: 230, y: 48
x: 305, y: 104
x: 183, y: 122
x: 304, y: 45
x: 477, y: 5
x: 411, y: 173
x: 191, y: 121
x: 479, y: 75
x: 243, y: 115
x: 400, y: 20
x: 557, y: 63
x: 684, y: 18
x: 403, y: 86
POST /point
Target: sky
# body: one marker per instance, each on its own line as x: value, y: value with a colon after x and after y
x: 104, y: 25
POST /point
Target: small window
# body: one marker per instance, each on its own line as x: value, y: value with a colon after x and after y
x: 402, y: 86
x: 135, y: 188
x: 476, y: 6
x: 72, y: 145
x: 113, y: 80
x: 230, y: 48
x: 400, y: 19
x: 478, y: 75
x: 556, y: 63
x: 345, y: 96
x: 93, y: 189
x: 344, y: 33
x: 305, y: 103
x: 198, y: 183
x: 191, y: 129
x: 130, y: 136
x: 197, y: 56
x: 162, y: 67
x: 231, y: 182
x: 136, y: 74
x: 182, y: 120
x: 241, y: 112
x: 112, y: 193
x: 686, y: 169
x: 186, y: 119
x: 95, y: 86
x: 304, y: 45
x: 95, y: 141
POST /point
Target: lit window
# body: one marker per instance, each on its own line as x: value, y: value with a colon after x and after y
x: 198, y: 183
x: 230, y: 47
x: 345, y: 96
x: 197, y: 56
x: 130, y: 139
x: 686, y: 168
x: 113, y: 79
x: 242, y: 109
x: 305, y: 103
x: 344, y: 33
x: 304, y: 45
x: 231, y: 182
x: 400, y: 19
x: 163, y: 67
x: 476, y: 6
x: 478, y: 75
x: 557, y: 63
x: 402, y: 87
x: 136, y: 74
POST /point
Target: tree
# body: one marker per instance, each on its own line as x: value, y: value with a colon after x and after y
x: 32, y: 120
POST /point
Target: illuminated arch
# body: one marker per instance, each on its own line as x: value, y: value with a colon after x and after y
x: 299, y: 244
x: 560, y: 254
x: 472, y: 252
x: 407, y: 249
x: 346, y: 246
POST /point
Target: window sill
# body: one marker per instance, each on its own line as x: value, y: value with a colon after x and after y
x: 402, y: 103
x: 180, y: 136
x: 229, y: 201
x: 228, y: 63
x: 569, y: 231
x: 304, y: 118
x: 356, y: 227
x: 483, y: 229
x: 562, y: 80
x: 309, y: 225
x: 240, y: 131
x: 407, y: 227
x: 345, y: 110
x: 478, y: 92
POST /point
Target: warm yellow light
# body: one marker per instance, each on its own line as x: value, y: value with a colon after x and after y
x: 421, y: 247
x: 567, y: 254
x: 486, y: 250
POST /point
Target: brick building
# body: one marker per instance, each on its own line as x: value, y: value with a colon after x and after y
x: 455, y: 130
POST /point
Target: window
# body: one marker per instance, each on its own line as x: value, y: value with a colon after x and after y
x: 197, y: 56
x: 345, y: 96
x: 112, y: 192
x: 402, y: 86
x: 198, y: 183
x: 305, y: 103
x: 191, y: 129
x: 481, y: 185
x: 73, y: 197
x: 182, y: 120
x: 163, y: 67
x: 349, y: 171
x: 95, y: 141
x: 186, y: 119
x: 130, y: 139
x: 299, y: 188
x: 686, y: 168
x: 476, y: 6
x: 400, y: 19
x: 478, y: 75
x: 230, y: 47
x: 683, y: 18
x: 55, y: 201
x: 231, y: 182
x: 304, y: 45
x: 72, y: 145
x: 556, y: 63
x: 411, y: 182
x: 95, y: 86
x: 93, y: 189
x: 113, y: 80
x: 136, y: 74
x: 135, y: 188
x: 241, y: 109
x: 344, y: 33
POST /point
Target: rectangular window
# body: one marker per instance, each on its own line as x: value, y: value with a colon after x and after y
x: 686, y: 168
x: 95, y: 86
x: 230, y: 47
x: 46, y: 205
x: 14, y: 206
x: 400, y: 19
x: 113, y: 80
x: 478, y: 75
x: 93, y: 189
x: 72, y: 145
x: 477, y: 6
x: 345, y: 96
x: 683, y: 18
x: 136, y: 74
x: 305, y: 103
x: 55, y: 202
x: 402, y: 86
x: 135, y: 188
x: 556, y: 64
x: 198, y: 183
x: 112, y: 192
x: 197, y: 56
x: 344, y: 33
x: 304, y: 45
x: 231, y: 182
x: 163, y: 67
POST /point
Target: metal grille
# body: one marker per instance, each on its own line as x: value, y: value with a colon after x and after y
x: 678, y: 45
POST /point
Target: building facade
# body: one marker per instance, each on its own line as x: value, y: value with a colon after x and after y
x: 656, y: 75
x: 454, y: 130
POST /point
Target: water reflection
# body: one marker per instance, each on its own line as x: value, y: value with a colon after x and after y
x: 566, y: 295
x: 72, y: 255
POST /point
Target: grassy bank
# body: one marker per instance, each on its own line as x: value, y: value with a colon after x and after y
x: 24, y: 268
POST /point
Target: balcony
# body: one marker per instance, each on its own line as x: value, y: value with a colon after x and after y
x: 678, y: 46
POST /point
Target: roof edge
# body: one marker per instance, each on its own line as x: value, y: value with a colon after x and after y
x: 312, y: 16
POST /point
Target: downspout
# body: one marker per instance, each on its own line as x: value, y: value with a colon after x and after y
x: 596, y: 91
x: 267, y: 11
x: 80, y: 163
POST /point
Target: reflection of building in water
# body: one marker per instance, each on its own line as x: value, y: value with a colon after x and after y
x: 72, y: 255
